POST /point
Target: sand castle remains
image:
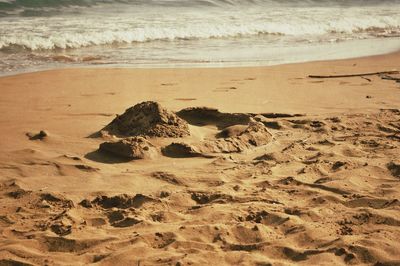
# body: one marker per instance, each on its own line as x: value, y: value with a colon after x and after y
x: 149, y: 120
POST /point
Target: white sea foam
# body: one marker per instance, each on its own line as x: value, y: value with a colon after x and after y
x: 154, y: 24
x: 49, y: 26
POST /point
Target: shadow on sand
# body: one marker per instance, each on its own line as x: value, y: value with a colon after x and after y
x: 105, y: 157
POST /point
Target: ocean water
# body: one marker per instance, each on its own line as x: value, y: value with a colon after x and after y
x: 41, y: 34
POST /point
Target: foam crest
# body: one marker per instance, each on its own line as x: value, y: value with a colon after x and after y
x: 14, y: 4
x: 63, y: 34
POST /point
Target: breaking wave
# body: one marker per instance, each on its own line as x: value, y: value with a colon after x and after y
x: 35, y: 31
x: 14, y: 4
x: 118, y: 32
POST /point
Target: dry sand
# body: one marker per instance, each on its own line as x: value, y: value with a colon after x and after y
x: 272, y: 188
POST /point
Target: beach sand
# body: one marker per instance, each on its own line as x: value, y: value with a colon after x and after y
x: 308, y: 171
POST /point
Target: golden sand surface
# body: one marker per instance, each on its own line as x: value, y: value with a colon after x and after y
x: 315, y: 182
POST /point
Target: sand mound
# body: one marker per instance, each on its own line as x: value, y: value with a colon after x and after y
x: 239, y: 132
x: 238, y: 139
x: 148, y: 119
x: 133, y: 148
x: 256, y: 134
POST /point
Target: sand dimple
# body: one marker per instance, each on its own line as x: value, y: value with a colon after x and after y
x: 182, y: 150
x: 210, y: 116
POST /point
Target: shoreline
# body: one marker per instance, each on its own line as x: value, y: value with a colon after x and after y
x: 364, y: 52
x: 191, y: 66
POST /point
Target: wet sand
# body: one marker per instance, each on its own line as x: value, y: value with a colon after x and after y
x: 289, y: 170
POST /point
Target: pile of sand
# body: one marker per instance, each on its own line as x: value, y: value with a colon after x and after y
x: 235, y: 132
x: 235, y: 140
x: 148, y: 119
x: 132, y: 147
x: 238, y: 139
